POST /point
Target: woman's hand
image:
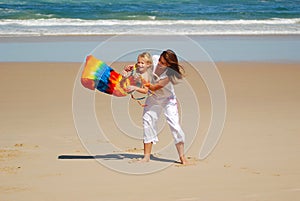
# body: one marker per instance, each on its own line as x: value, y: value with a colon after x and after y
x: 157, y: 86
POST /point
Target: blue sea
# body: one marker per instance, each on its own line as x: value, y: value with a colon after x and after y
x: 188, y: 17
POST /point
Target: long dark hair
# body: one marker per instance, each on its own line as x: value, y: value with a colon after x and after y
x: 175, y: 71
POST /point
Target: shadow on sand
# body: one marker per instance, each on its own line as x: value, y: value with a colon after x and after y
x: 120, y: 156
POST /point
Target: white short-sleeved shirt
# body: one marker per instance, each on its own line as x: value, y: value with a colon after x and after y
x: 168, y: 90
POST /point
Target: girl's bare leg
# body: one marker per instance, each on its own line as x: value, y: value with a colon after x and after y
x: 147, y: 152
x: 180, y: 150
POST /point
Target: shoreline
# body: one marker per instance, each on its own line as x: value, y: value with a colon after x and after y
x: 222, y: 48
x: 92, y: 37
x: 242, y: 64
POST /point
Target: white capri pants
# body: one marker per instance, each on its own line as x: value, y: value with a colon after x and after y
x: 152, y: 113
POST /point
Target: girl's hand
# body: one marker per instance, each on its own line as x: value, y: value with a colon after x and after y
x: 125, y: 73
x: 131, y: 88
x: 128, y: 68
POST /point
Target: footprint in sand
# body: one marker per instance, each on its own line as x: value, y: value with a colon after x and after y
x: 136, y: 160
x: 6, y: 154
x: 227, y: 166
x: 12, y: 153
x: 12, y: 189
x: 134, y: 150
x: 252, y: 171
x: 19, y: 145
x: 9, y: 169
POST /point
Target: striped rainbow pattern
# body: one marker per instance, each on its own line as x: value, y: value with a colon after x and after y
x: 98, y: 75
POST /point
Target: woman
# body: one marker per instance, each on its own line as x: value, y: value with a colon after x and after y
x: 166, y: 72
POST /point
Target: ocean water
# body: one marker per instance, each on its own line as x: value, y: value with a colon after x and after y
x: 189, y: 17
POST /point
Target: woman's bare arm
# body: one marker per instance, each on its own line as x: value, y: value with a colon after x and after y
x: 159, y: 85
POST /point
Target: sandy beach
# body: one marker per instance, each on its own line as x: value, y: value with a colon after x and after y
x: 257, y: 157
x: 239, y: 103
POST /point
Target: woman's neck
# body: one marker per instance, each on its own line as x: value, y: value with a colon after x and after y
x: 159, y: 71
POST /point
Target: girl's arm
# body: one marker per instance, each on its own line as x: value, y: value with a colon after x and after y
x: 138, y: 89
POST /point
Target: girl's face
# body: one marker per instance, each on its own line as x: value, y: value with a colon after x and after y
x: 162, y: 63
x: 142, y: 65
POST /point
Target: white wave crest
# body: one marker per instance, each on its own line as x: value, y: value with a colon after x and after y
x: 188, y: 27
x: 80, y: 22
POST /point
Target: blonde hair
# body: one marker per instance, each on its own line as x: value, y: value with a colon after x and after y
x: 148, y: 58
x: 149, y: 62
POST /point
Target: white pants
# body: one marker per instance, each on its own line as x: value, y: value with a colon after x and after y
x: 151, y: 115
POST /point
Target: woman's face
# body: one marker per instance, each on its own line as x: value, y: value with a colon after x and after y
x: 162, y: 63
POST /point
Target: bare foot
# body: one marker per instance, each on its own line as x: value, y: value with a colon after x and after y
x: 144, y: 160
x: 183, y: 160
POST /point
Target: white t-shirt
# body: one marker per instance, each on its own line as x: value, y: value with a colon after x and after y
x: 168, y: 90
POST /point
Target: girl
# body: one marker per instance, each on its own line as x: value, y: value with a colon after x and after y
x: 143, y: 72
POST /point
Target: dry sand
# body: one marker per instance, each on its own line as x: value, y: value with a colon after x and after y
x: 257, y: 157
